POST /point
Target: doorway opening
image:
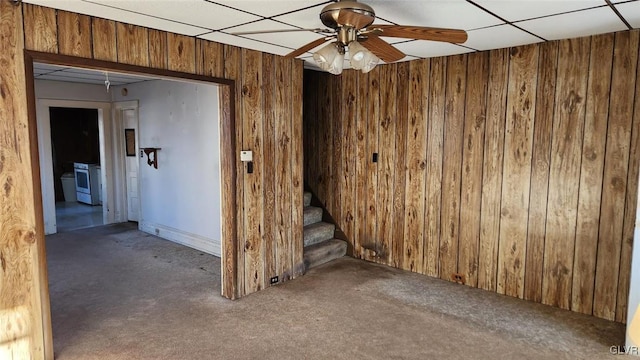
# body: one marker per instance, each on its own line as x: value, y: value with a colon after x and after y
x: 114, y: 139
x: 75, y: 150
x: 162, y: 192
x: 71, y: 145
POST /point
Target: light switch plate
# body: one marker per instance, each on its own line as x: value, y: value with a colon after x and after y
x: 246, y: 155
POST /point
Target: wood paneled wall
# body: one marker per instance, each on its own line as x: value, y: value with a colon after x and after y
x: 268, y: 121
x: 516, y: 168
x: 21, y: 281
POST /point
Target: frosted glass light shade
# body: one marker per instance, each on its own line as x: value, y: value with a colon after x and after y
x: 337, y: 65
x: 361, y: 58
x: 330, y: 59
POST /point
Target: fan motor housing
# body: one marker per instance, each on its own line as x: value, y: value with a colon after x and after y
x: 329, y: 14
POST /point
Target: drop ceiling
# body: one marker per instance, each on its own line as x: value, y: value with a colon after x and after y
x: 86, y: 76
x: 490, y: 24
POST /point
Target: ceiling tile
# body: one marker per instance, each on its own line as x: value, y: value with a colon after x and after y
x: 288, y: 40
x: 72, y: 74
x: 100, y: 75
x: 512, y: 10
x: 394, y: 40
x: 45, y: 67
x: 426, y: 49
x: 631, y: 12
x: 106, y: 12
x: 406, y: 58
x: 84, y: 75
x: 457, y: 14
x: 306, y: 19
x: 623, y: 1
x: 273, y: 7
x: 193, y: 12
x: 224, y: 38
x: 575, y: 24
x: 65, y: 79
x: 500, y: 36
x: 292, y: 40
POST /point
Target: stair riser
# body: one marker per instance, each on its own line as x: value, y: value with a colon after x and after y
x: 316, y: 235
x: 312, y: 216
x: 324, y: 252
x: 307, y: 199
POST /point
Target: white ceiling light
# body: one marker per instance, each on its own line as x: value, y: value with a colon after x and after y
x: 361, y: 58
x: 330, y: 58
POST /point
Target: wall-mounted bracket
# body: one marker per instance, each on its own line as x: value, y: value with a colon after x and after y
x: 152, y: 160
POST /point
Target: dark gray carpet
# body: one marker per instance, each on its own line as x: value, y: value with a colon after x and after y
x: 117, y: 293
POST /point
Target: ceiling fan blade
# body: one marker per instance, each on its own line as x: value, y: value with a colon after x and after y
x: 355, y: 19
x: 382, y: 49
x: 423, y: 33
x: 301, y: 50
x: 320, y: 31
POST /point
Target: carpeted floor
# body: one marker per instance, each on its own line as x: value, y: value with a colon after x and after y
x: 117, y: 293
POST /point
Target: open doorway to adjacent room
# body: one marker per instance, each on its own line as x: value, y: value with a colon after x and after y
x: 118, y: 147
x: 77, y: 182
x: 76, y: 146
x: 151, y: 148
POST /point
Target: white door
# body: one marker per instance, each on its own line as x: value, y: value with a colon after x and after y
x: 130, y: 122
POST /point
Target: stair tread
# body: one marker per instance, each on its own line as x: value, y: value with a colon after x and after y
x: 320, y: 224
x: 323, y: 252
x: 318, y: 232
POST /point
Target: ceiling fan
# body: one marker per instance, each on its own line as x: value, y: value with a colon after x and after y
x: 350, y: 29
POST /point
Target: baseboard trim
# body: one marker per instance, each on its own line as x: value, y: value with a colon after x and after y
x: 210, y: 246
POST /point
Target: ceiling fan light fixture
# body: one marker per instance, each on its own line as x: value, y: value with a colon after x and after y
x: 347, y: 12
x: 337, y: 65
x: 325, y: 56
x: 361, y: 58
x: 330, y: 58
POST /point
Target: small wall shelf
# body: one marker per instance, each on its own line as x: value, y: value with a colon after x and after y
x: 152, y: 160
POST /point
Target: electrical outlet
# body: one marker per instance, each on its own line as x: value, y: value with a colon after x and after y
x: 458, y: 277
x: 274, y: 280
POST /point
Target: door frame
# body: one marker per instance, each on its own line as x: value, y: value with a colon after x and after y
x: 119, y: 155
x: 229, y: 156
x: 45, y: 153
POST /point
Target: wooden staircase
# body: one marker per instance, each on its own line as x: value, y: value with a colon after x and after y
x: 320, y: 246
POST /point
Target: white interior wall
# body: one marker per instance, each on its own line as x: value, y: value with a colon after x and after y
x: 64, y: 94
x: 47, y: 89
x: 180, y: 201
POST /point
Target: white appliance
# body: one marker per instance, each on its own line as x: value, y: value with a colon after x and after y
x: 87, y: 183
x: 69, y: 187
